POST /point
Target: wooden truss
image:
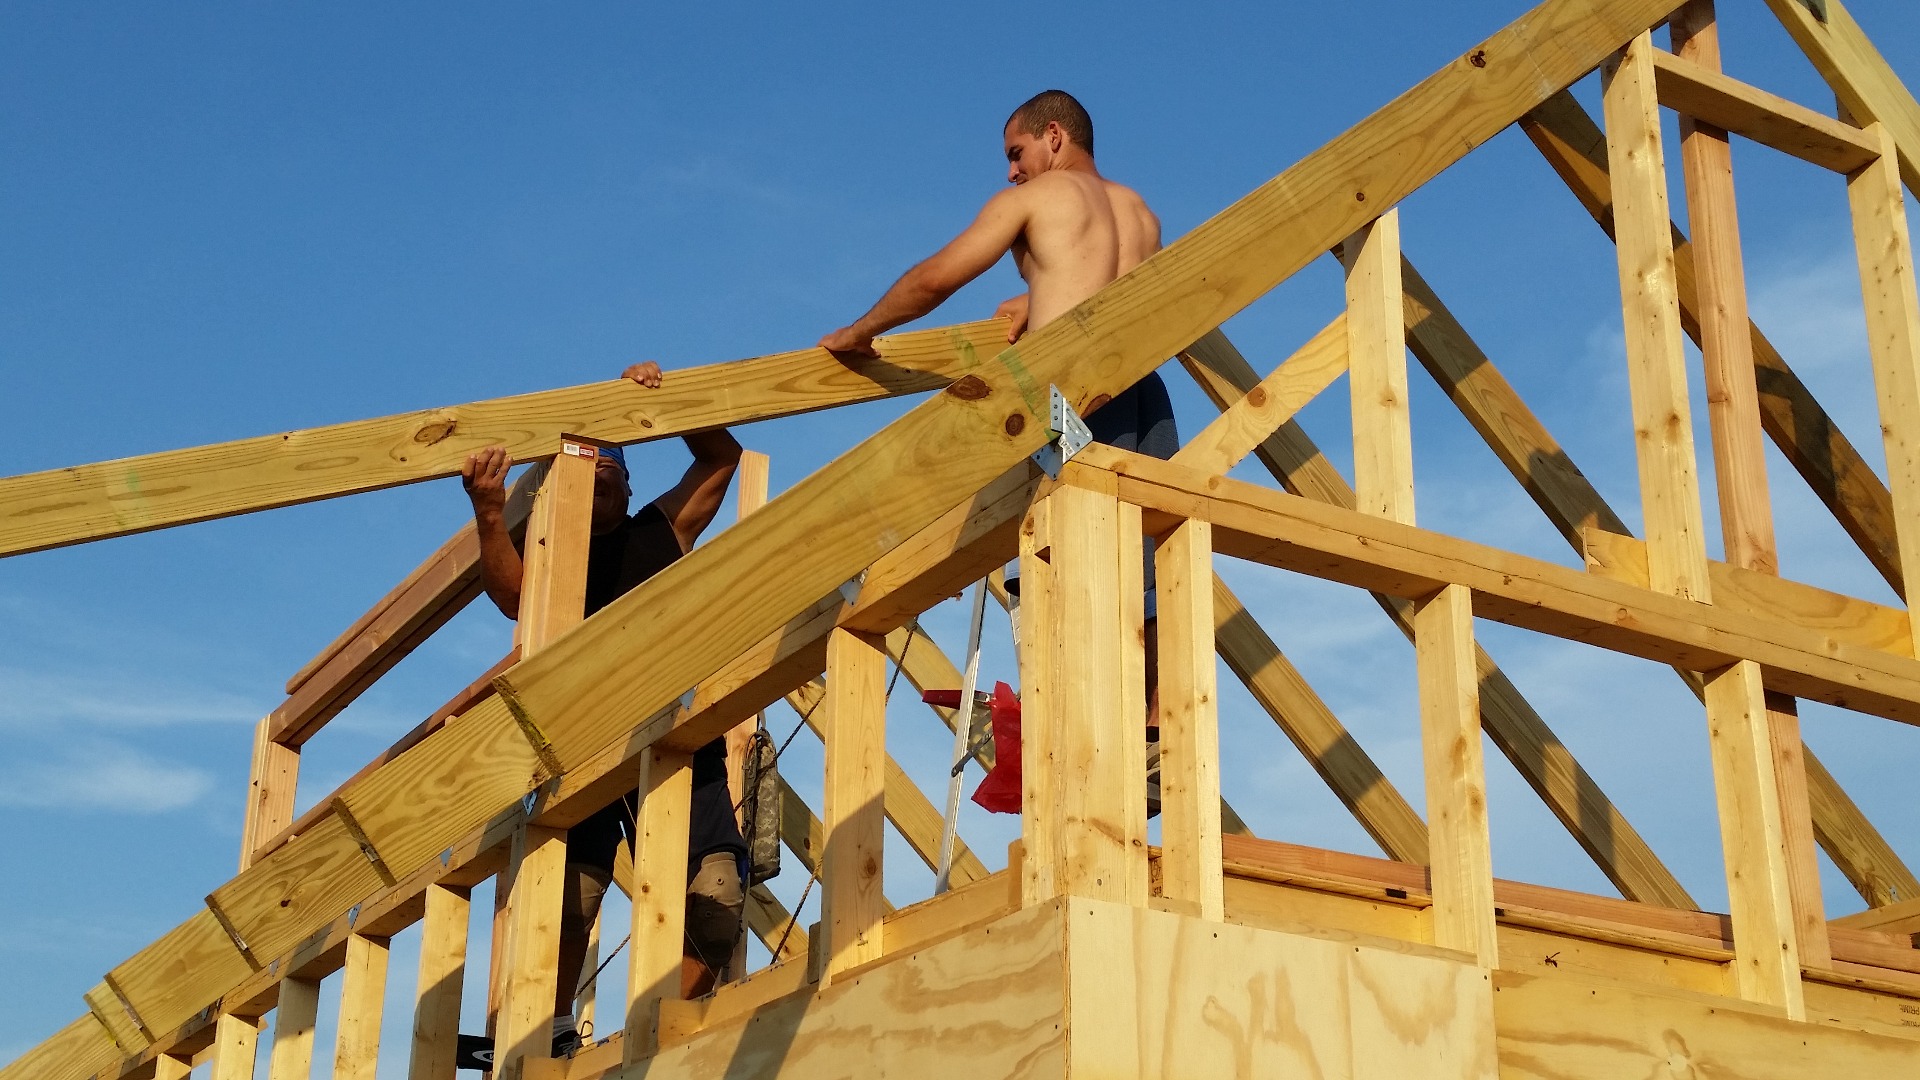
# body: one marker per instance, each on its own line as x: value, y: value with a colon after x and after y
x: 1092, y: 953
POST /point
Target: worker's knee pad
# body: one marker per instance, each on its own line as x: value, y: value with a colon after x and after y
x: 716, y: 903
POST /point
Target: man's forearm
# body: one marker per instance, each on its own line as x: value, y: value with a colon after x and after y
x: 500, y: 567
x: 908, y: 299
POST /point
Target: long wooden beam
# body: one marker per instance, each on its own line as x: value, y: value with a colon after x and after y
x: 1298, y: 534
x: 1860, y: 77
x: 1520, y: 733
x: 153, y: 491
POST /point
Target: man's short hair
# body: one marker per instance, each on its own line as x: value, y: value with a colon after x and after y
x: 1058, y: 107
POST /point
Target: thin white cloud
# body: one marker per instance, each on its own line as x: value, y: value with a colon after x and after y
x: 101, y: 775
x: 37, y: 698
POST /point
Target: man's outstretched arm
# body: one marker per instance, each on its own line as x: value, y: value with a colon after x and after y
x: 928, y: 284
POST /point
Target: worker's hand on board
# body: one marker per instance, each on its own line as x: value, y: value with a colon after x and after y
x: 1014, y: 310
x: 847, y: 341
x: 485, y: 477
x: 646, y: 373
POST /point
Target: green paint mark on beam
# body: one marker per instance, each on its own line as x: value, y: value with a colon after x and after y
x: 1030, y: 392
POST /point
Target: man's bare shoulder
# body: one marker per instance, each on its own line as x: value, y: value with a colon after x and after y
x: 1125, y: 198
x: 1060, y: 184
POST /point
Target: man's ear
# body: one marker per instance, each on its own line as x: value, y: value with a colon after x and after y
x: 1056, y: 136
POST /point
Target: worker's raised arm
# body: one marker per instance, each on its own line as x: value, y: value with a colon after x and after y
x: 927, y: 285
x: 484, y: 475
x: 691, y: 505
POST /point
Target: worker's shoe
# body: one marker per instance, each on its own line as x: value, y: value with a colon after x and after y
x: 476, y: 1051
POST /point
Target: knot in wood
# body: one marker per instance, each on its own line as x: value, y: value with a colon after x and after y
x: 970, y: 388
x: 1098, y: 400
x: 1016, y: 423
x: 1256, y: 397
x: 434, y: 430
x: 1478, y: 58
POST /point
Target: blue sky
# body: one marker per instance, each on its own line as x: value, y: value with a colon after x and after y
x: 221, y: 220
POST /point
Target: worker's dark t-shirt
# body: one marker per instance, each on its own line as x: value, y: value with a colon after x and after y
x: 619, y: 559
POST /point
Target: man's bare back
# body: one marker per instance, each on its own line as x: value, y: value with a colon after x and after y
x: 1071, y: 232
x: 1082, y: 232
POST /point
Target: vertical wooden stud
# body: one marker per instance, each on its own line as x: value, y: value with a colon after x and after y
x: 1766, y: 956
x: 236, y: 1041
x: 1733, y: 408
x: 171, y: 1067
x: 1885, y: 251
x: 1039, y: 644
x: 659, y: 893
x: 753, y: 476
x: 1656, y: 360
x: 553, y: 592
x: 443, y: 968
x: 1797, y: 831
x: 270, y: 788
x: 1458, y: 839
x: 852, y: 807
x: 363, y: 996
x: 1377, y: 370
x: 1726, y: 339
x: 293, y: 1020
x: 1130, y: 740
x: 1095, y: 719
x: 530, y: 971
x: 1190, y: 859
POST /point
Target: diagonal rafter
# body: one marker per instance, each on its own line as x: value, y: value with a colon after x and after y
x: 155, y: 491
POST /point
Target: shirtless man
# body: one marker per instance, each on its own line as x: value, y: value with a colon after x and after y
x: 1070, y: 229
x: 1071, y: 232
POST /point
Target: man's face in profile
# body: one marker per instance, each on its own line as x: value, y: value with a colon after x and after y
x: 1028, y: 155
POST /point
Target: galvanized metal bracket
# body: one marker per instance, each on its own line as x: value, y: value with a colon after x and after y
x: 1070, y: 435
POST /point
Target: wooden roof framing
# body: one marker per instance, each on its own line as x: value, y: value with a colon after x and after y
x: 935, y: 499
